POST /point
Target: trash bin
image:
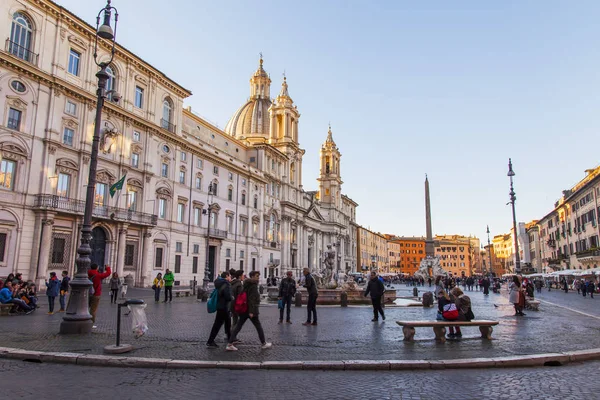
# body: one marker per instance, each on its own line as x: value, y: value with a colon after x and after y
x: 139, y: 325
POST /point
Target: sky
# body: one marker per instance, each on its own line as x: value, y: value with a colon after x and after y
x: 447, y: 89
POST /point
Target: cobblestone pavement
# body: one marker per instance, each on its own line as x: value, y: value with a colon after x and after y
x: 179, y: 330
x: 572, y: 382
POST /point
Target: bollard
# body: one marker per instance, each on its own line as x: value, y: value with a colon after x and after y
x: 121, y: 348
x: 298, y: 299
x: 415, y: 292
x: 344, y: 299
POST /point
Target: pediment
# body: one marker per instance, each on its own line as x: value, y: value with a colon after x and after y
x: 77, y: 41
x: 134, y: 182
x: 66, y: 163
x: 315, y: 214
x: 105, y: 176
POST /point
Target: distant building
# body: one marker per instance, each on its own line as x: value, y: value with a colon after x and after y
x: 372, y: 251
x: 459, y: 255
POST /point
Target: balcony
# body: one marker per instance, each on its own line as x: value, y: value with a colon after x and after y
x: 21, y: 52
x: 217, y: 233
x: 588, y: 255
x: 167, y: 125
x: 274, y: 262
x: 77, y: 207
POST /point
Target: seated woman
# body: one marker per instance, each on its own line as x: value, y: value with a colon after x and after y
x: 449, y: 312
x: 463, y: 305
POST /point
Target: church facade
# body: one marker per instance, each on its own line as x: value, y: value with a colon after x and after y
x: 196, y: 198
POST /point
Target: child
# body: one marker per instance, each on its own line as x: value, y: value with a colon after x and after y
x: 52, y: 289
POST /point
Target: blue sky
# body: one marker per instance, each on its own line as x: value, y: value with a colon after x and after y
x: 451, y: 89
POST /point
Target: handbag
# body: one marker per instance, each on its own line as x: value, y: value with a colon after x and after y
x: 154, y: 287
x: 280, y: 304
x: 450, y: 312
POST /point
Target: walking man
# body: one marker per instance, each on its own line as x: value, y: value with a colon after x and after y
x: 236, y: 288
x: 251, y: 313
x: 169, y: 278
x: 376, y: 289
x: 96, y: 277
x: 311, y: 289
x: 224, y: 298
x: 287, y: 290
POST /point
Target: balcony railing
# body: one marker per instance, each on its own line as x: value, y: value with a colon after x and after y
x: 21, y: 52
x: 217, y: 233
x: 588, y: 254
x: 73, y: 206
x: 167, y: 125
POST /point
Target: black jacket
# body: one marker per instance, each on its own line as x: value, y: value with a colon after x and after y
x: 64, y: 283
x: 236, y: 288
x: 287, y: 287
x: 310, y: 285
x: 251, y: 289
x: 224, y: 288
x: 375, y: 288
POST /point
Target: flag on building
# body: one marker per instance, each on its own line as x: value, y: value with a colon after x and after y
x: 117, y: 186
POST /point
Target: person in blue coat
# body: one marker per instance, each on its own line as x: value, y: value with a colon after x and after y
x: 52, y: 291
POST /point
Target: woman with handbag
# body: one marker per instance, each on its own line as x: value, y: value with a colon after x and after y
x: 157, y: 285
x: 447, y: 311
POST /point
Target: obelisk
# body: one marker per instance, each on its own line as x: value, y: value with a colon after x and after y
x: 429, y: 246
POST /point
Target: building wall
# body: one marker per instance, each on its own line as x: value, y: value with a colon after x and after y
x: 457, y: 254
x: 373, y: 252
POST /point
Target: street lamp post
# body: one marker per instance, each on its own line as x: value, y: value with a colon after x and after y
x: 206, y: 264
x: 489, y: 249
x: 513, y: 198
x: 77, y: 318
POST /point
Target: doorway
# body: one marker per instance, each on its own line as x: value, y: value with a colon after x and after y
x: 98, y: 245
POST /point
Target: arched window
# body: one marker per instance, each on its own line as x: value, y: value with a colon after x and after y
x: 20, y: 37
x: 111, y: 82
x: 167, y: 114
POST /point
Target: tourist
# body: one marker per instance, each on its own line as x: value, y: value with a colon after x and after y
x: 169, y: 278
x: 287, y: 290
x: 486, y: 286
x: 311, y: 305
x: 463, y: 304
x: 538, y: 285
x: 447, y: 311
x: 96, y: 277
x: 157, y: 284
x: 64, y: 290
x: 439, y: 286
x: 565, y: 285
x: 237, y: 287
x: 251, y: 313
x: 577, y: 285
x: 114, y: 288
x: 52, y: 291
x: 514, y: 295
x: 590, y: 287
x: 6, y: 297
x: 376, y: 289
x: 223, y: 288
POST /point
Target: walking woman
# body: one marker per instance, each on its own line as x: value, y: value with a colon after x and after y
x: 157, y: 285
x: 514, y: 295
x: 114, y: 288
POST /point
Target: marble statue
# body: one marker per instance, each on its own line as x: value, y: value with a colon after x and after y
x: 430, y: 268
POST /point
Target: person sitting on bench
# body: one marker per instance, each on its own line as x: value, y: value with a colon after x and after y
x: 463, y: 304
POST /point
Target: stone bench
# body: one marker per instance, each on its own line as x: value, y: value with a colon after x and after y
x: 181, y: 292
x: 439, y: 328
x: 533, y: 305
x: 5, y: 309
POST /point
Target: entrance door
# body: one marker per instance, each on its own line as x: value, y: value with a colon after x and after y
x: 211, y: 262
x: 98, y: 245
x: 310, y: 257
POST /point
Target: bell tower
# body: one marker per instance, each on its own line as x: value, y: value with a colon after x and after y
x: 284, y: 118
x: 330, y: 179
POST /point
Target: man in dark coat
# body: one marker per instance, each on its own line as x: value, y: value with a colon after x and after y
x: 224, y: 298
x: 311, y: 305
x: 376, y: 289
x: 287, y: 290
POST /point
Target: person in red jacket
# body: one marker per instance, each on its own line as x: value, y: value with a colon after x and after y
x: 96, y: 277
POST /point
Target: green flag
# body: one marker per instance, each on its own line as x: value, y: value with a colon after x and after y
x: 117, y: 186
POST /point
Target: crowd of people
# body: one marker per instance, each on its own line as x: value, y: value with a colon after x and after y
x: 22, y: 295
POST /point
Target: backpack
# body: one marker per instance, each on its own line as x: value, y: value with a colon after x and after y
x: 241, y: 303
x: 211, y: 305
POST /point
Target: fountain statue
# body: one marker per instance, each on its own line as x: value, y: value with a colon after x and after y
x: 430, y: 268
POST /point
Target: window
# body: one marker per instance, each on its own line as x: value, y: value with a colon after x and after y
x: 243, y: 199
x: 197, y: 216
x: 227, y: 264
x: 164, y: 170
x: 213, y: 188
x: 158, y: 258
x: 244, y: 225
x: 244, y: 182
x: 162, y: 208
x: 242, y: 254
x: 227, y: 252
x: 242, y: 261
x: 213, y: 219
x: 166, y: 149
x: 180, y: 212
x: 3, y: 237
x: 68, y: 134
x: 139, y: 97
x: 255, y: 228
x: 167, y: 116
x: 230, y: 194
x: 135, y: 160
x: 183, y: 156
x: 255, y: 202
x: 111, y: 82
x: 18, y: 86
x: 101, y: 197
x: 74, y: 58
x: 14, y: 119
x: 70, y: 108
x: 58, y: 250
x: 178, y: 247
x: 229, y: 223
x: 196, y: 249
x: 199, y: 164
x: 131, y: 200
x: 216, y: 170
x: 181, y: 176
x: 199, y: 182
x: 20, y: 37
x: 194, y: 265
x: 7, y: 174
x: 64, y: 183
x: 136, y: 136
x: 230, y: 176
x: 129, y: 254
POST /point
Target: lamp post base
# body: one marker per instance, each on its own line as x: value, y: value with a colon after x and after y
x: 77, y: 318
x: 75, y: 327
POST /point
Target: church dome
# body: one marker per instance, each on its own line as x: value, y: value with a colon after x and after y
x: 252, y: 119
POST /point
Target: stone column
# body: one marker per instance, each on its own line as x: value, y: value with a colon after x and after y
x: 121, y: 242
x: 146, y: 267
x: 273, y: 128
x: 42, y: 267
